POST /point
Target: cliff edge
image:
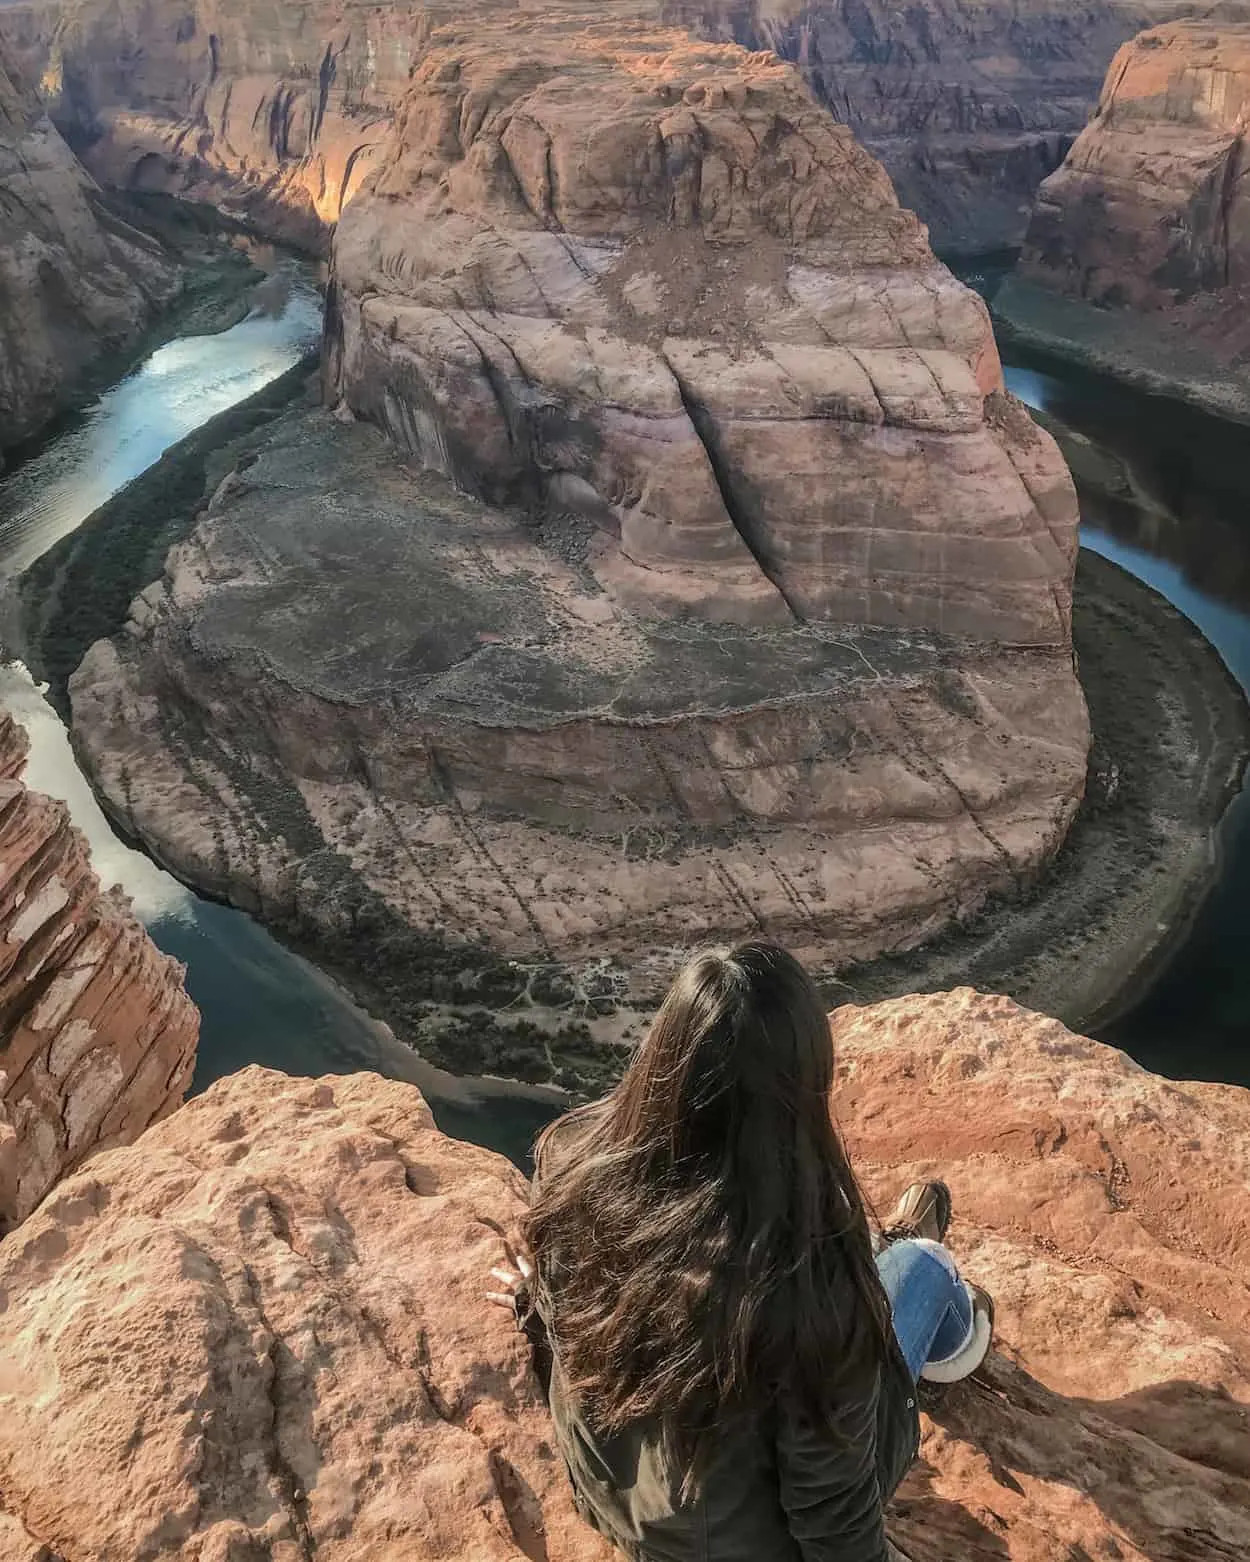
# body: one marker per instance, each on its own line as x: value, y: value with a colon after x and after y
x: 284, y: 1280
x: 1137, y: 257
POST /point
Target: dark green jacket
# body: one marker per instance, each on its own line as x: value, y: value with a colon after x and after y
x: 772, y: 1492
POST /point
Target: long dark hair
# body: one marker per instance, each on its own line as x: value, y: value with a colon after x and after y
x: 700, y: 1238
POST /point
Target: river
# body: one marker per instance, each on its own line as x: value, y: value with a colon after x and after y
x: 259, y: 1002
x: 1179, y: 529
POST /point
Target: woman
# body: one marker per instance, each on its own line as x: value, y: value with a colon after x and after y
x: 732, y: 1374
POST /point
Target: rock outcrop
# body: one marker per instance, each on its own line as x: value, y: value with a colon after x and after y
x: 424, y: 736
x: 969, y: 105
x: 1150, y: 207
x: 76, y: 283
x: 651, y: 285
x: 97, y: 1035
x: 1149, y: 220
x: 260, y: 1332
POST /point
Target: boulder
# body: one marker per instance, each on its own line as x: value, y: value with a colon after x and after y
x: 97, y: 1034
x: 260, y: 1331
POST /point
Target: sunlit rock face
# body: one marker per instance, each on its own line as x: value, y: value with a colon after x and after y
x: 76, y: 284
x: 97, y: 1034
x: 285, y: 1281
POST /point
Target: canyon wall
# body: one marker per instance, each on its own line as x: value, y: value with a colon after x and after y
x: 1137, y: 260
x: 1150, y: 210
x: 97, y: 1035
x: 285, y: 1279
x: 969, y: 105
x: 275, y: 114
x: 76, y: 283
x: 713, y: 580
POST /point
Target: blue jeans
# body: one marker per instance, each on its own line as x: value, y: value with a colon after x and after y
x: 931, y: 1305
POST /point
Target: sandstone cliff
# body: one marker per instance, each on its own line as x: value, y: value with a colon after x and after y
x: 969, y: 105
x: 97, y: 1036
x: 1149, y: 219
x: 75, y: 283
x: 284, y: 1281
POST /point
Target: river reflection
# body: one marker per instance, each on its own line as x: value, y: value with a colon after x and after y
x: 1182, y: 524
x: 259, y: 1002
x: 177, y: 389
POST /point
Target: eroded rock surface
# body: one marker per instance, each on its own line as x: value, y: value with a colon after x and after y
x: 371, y: 708
x: 1105, y: 1209
x: 277, y: 112
x: 75, y: 282
x: 260, y: 1332
x: 97, y: 1035
x: 650, y: 284
x: 269, y: 1340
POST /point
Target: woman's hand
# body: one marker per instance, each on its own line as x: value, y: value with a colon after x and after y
x: 514, y: 1282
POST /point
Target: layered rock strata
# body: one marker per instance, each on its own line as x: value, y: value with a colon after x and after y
x: 650, y: 285
x: 76, y: 284
x: 1149, y: 220
x: 357, y: 694
x: 285, y: 1280
x: 969, y: 106
x: 97, y: 1035
x: 276, y: 114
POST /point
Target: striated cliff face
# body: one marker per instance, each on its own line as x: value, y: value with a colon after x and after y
x: 650, y: 284
x: 97, y: 1036
x: 272, y: 115
x: 277, y: 113
x: 75, y: 282
x: 1150, y: 208
x: 286, y: 1280
x: 1138, y: 252
x: 969, y: 105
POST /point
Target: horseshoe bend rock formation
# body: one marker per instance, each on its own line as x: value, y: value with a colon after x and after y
x: 75, y: 282
x: 1148, y: 218
x: 284, y: 1280
x: 97, y: 1035
x: 764, y: 619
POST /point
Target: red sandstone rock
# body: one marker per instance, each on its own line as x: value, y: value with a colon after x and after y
x: 259, y: 1333
x: 1106, y: 1210
x: 97, y: 1035
x: 75, y: 282
x: 269, y: 1339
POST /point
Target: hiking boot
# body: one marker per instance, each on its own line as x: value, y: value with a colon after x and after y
x: 966, y: 1361
x: 923, y: 1211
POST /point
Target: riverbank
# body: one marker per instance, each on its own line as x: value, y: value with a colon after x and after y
x: 1153, y: 353
x: 218, y: 285
x: 1171, y: 735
